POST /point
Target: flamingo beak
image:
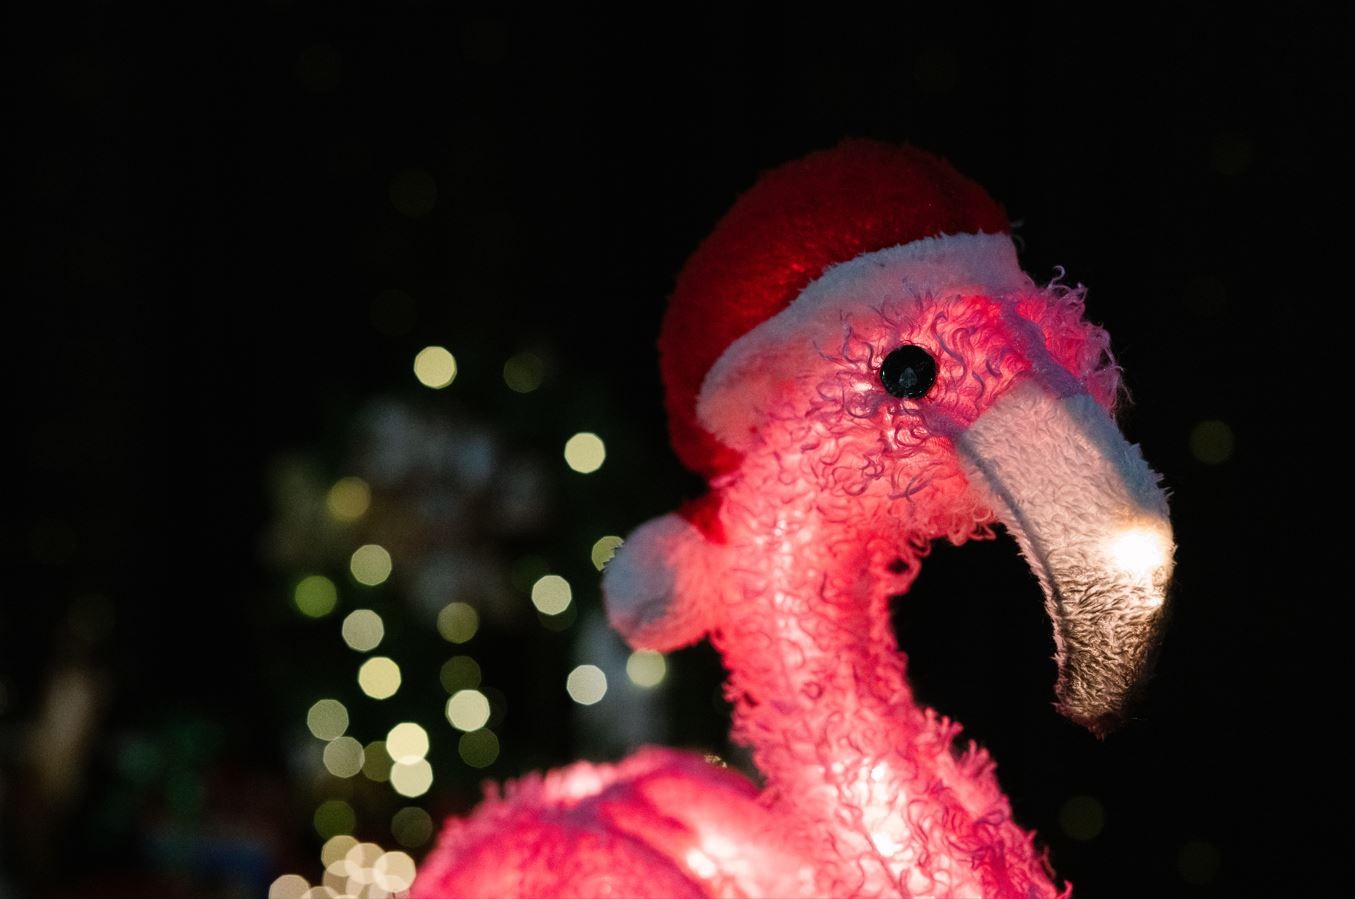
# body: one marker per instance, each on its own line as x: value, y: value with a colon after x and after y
x: 1091, y: 520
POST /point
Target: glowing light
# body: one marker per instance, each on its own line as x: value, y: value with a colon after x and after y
x: 407, y: 743
x: 586, y: 684
x: 1139, y: 551
x: 336, y: 848
x: 327, y: 719
x: 334, y: 817
x: 376, y: 765
x: 585, y: 452
x: 551, y: 594
x: 394, y: 871
x: 413, y: 779
x: 459, y: 673
x: 370, y: 564
x: 348, y: 499
x: 363, y: 630
x: 288, y: 886
x: 1212, y: 442
x: 458, y: 622
x: 343, y: 757
x: 412, y: 827
x: 646, y: 668
x: 524, y: 372
x: 468, y: 710
x: 315, y: 596
x: 435, y: 367
x: 359, y: 862
x: 479, y: 748
x: 604, y: 549
x: 1082, y: 817
x: 379, y: 677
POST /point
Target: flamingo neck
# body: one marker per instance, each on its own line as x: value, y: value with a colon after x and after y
x: 820, y: 694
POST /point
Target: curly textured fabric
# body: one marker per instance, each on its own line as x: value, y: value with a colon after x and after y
x: 796, y: 221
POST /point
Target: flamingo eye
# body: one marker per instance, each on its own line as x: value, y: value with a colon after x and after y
x: 908, y: 372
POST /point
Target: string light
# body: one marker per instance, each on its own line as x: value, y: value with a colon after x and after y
x: 585, y: 452
x: 412, y: 780
x: 379, y: 677
x: 315, y: 596
x: 288, y: 886
x: 435, y: 367
x: 376, y: 764
x: 407, y: 742
x: 327, y: 719
x: 348, y: 499
x: 479, y: 748
x: 551, y: 594
x: 586, y: 684
x: 468, y: 710
x: 363, y: 630
x: 459, y: 673
x: 524, y: 372
x: 370, y: 564
x: 334, y: 816
x: 412, y: 827
x: 646, y: 668
x: 343, y: 757
x: 604, y: 549
x: 458, y: 622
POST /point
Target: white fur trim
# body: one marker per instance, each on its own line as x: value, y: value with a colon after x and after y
x: 754, y: 364
x: 654, y: 585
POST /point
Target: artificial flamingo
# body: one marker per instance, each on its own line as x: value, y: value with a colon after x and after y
x: 859, y: 367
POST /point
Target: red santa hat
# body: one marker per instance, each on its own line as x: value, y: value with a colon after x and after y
x: 765, y: 274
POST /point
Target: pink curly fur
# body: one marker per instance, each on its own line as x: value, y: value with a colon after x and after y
x: 865, y: 792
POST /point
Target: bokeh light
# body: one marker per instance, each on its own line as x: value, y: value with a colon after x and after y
x: 376, y: 763
x: 479, y: 748
x: 363, y: 630
x: 336, y: 848
x: 1082, y: 817
x: 435, y: 367
x: 370, y: 564
x: 458, y: 622
x: 524, y: 372
x: 585, y: 452
x: 412, y: 780
x: 604, y: 549
x: 468, y: 710
x: 413, y: 192
x: 646, y: 668
x: 394, y: 872
x: 315, y: 596
x: 551, y: 594
x: 586, y: 684
x: 459, y: 673
x: 334, y: 816
x: 288, y: 886
x: 327, y: 719
x: 343, y: 757
x: 348, y: 499
x: 412, y: 827
x: 1212, y: 442
x: 407, y: 742
x: 379, y: 677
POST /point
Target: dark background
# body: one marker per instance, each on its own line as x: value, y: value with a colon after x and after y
x: 209, y: 208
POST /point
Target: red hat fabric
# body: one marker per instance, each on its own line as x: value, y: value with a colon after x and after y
x: 796, y: 221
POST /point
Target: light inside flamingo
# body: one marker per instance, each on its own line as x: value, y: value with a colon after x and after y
x: 858, y: 366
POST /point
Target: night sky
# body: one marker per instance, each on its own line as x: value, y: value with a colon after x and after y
x: 212, y: 213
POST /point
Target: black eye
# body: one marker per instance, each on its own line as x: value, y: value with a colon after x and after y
x: 908, y: 372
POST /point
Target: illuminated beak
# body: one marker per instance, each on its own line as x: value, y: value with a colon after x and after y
x: 1092, y: 522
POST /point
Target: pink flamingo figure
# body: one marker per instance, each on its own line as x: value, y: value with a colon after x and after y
x: 858, y: 365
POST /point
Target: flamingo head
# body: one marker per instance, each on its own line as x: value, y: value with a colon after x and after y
x: 921, y: 390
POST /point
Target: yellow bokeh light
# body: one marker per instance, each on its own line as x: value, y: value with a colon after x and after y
x: 524, y: 372
x: 413, y: 779
x: 363, y: 630
x: 327, y: 719
x: 1212, y: 442
x: 348, y: 499
x: 359, y: 864
x: 370, y: 564
x: 407, y: 742
x: 412, y: 827
x: 336, y: 848
x: 435, y: 367
x: 604, y: 549
x: 551, y: 594
x: 458, y: 622
x: 343, y: 757
x: 468, y: 710
x: 646, y: 668
x: 379, y: 677
x: 394, y: 872
x: 321, y: 892
x: 459, y: 673
x: 315, y: 596
x: 586, y: 684
x: 334, y: 817
x: 288, y: 886
x: 376, y: 764
x: 585, y: 452
x: 479, y: 748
